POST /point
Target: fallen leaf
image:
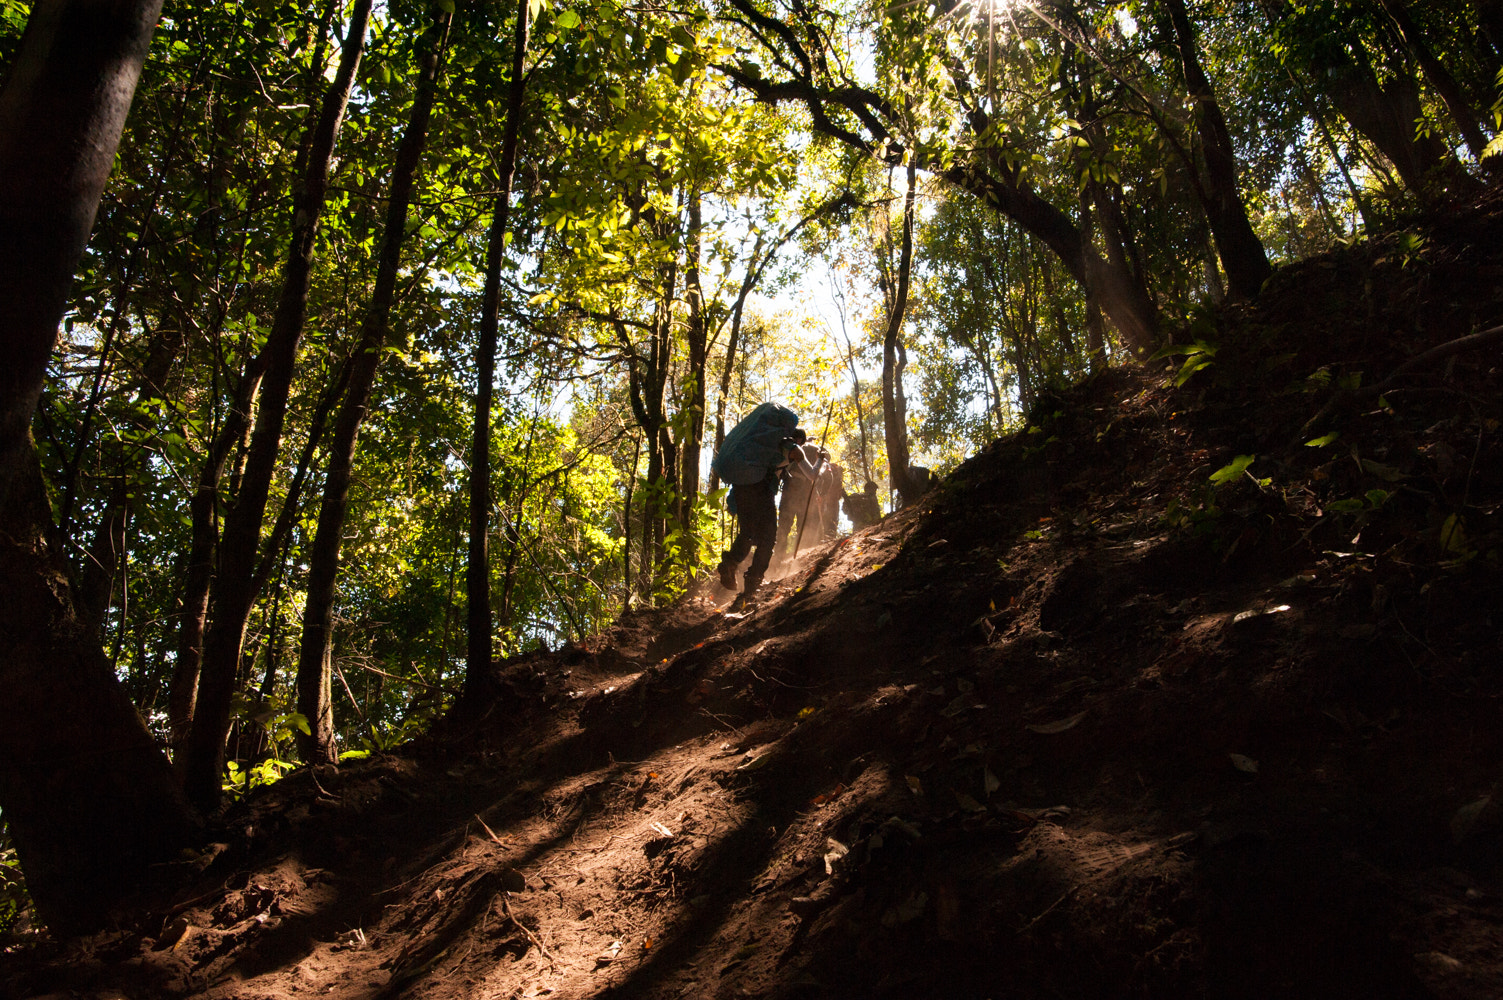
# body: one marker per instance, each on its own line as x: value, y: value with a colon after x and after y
x: 914, y: 785
x: 989, y: 780
x: 660, y: 828
x: 1244, y: 763
x: 1049, y: 728
x: 969, y: 804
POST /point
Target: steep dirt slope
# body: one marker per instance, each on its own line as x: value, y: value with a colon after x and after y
x: 1084, y: 723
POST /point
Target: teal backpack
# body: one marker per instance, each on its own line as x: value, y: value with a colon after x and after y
x: 751, y: 449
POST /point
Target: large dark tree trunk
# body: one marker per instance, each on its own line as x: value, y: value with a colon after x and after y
x: 61, y: 114
x: 89, y: 799
x: 235, y: 588
x: 1241, y: 251
x: 313, y: 673
x: 894, y: 421
x: 477, y: 578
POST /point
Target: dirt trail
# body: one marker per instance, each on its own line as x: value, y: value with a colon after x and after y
x: 1082, y: 724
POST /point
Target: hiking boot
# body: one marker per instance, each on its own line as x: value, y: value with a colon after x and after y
x: 727, y: 575
x: 747, y: 597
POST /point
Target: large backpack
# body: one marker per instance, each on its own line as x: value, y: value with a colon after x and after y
x: 751, y: 449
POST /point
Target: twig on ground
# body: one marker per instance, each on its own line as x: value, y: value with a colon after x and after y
x: 1047, y: 910
x: 537, y: 943
x: 489, y: 832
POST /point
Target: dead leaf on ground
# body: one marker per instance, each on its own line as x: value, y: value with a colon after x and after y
x: 969, y: 804
x: 1050, y: 728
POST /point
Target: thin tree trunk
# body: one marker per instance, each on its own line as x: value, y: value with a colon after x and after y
x: 235, y: 587
x: 96, y: 581
x: 203, y: 513
x: 477, y: 574
x: 73, y: 750
x: 754, y: 269
x: 292, y: 504
x: 850, y: 361
x: 314, y: 678
x: 894, y: 425
x: 697, y: 337
x: 631, y: 482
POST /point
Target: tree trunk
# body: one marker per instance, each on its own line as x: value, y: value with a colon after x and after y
x: 477, y: 573
x: 893, y: 423
x: 1113, y: 288
x: 1241, y: 251
x: 850, y: 361
x: 61, y: 115
x: 694, y: 404
x: 89, y: 799
x: 313, y: 672
x: 235, y: 591
x: 203, y: 513
x: 1385, y: 115
x: 1440, y: 78
x: 754, y: 267
x: 100, y: 568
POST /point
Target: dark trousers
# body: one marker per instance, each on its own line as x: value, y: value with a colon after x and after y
x: 756, y: 528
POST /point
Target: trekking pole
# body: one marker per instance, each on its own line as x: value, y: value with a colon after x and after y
x: 803, y: 522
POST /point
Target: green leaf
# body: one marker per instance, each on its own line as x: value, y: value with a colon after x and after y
x: 567, y: 19
x: 1323, y: 440
x: 1380, y: 470
x: 1453, y: 536
x: 1227, y: 473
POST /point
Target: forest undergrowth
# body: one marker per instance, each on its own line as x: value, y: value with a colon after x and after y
x: 1189, y: 689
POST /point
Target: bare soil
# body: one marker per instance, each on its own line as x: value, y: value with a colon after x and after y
x: 1082, y: 723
